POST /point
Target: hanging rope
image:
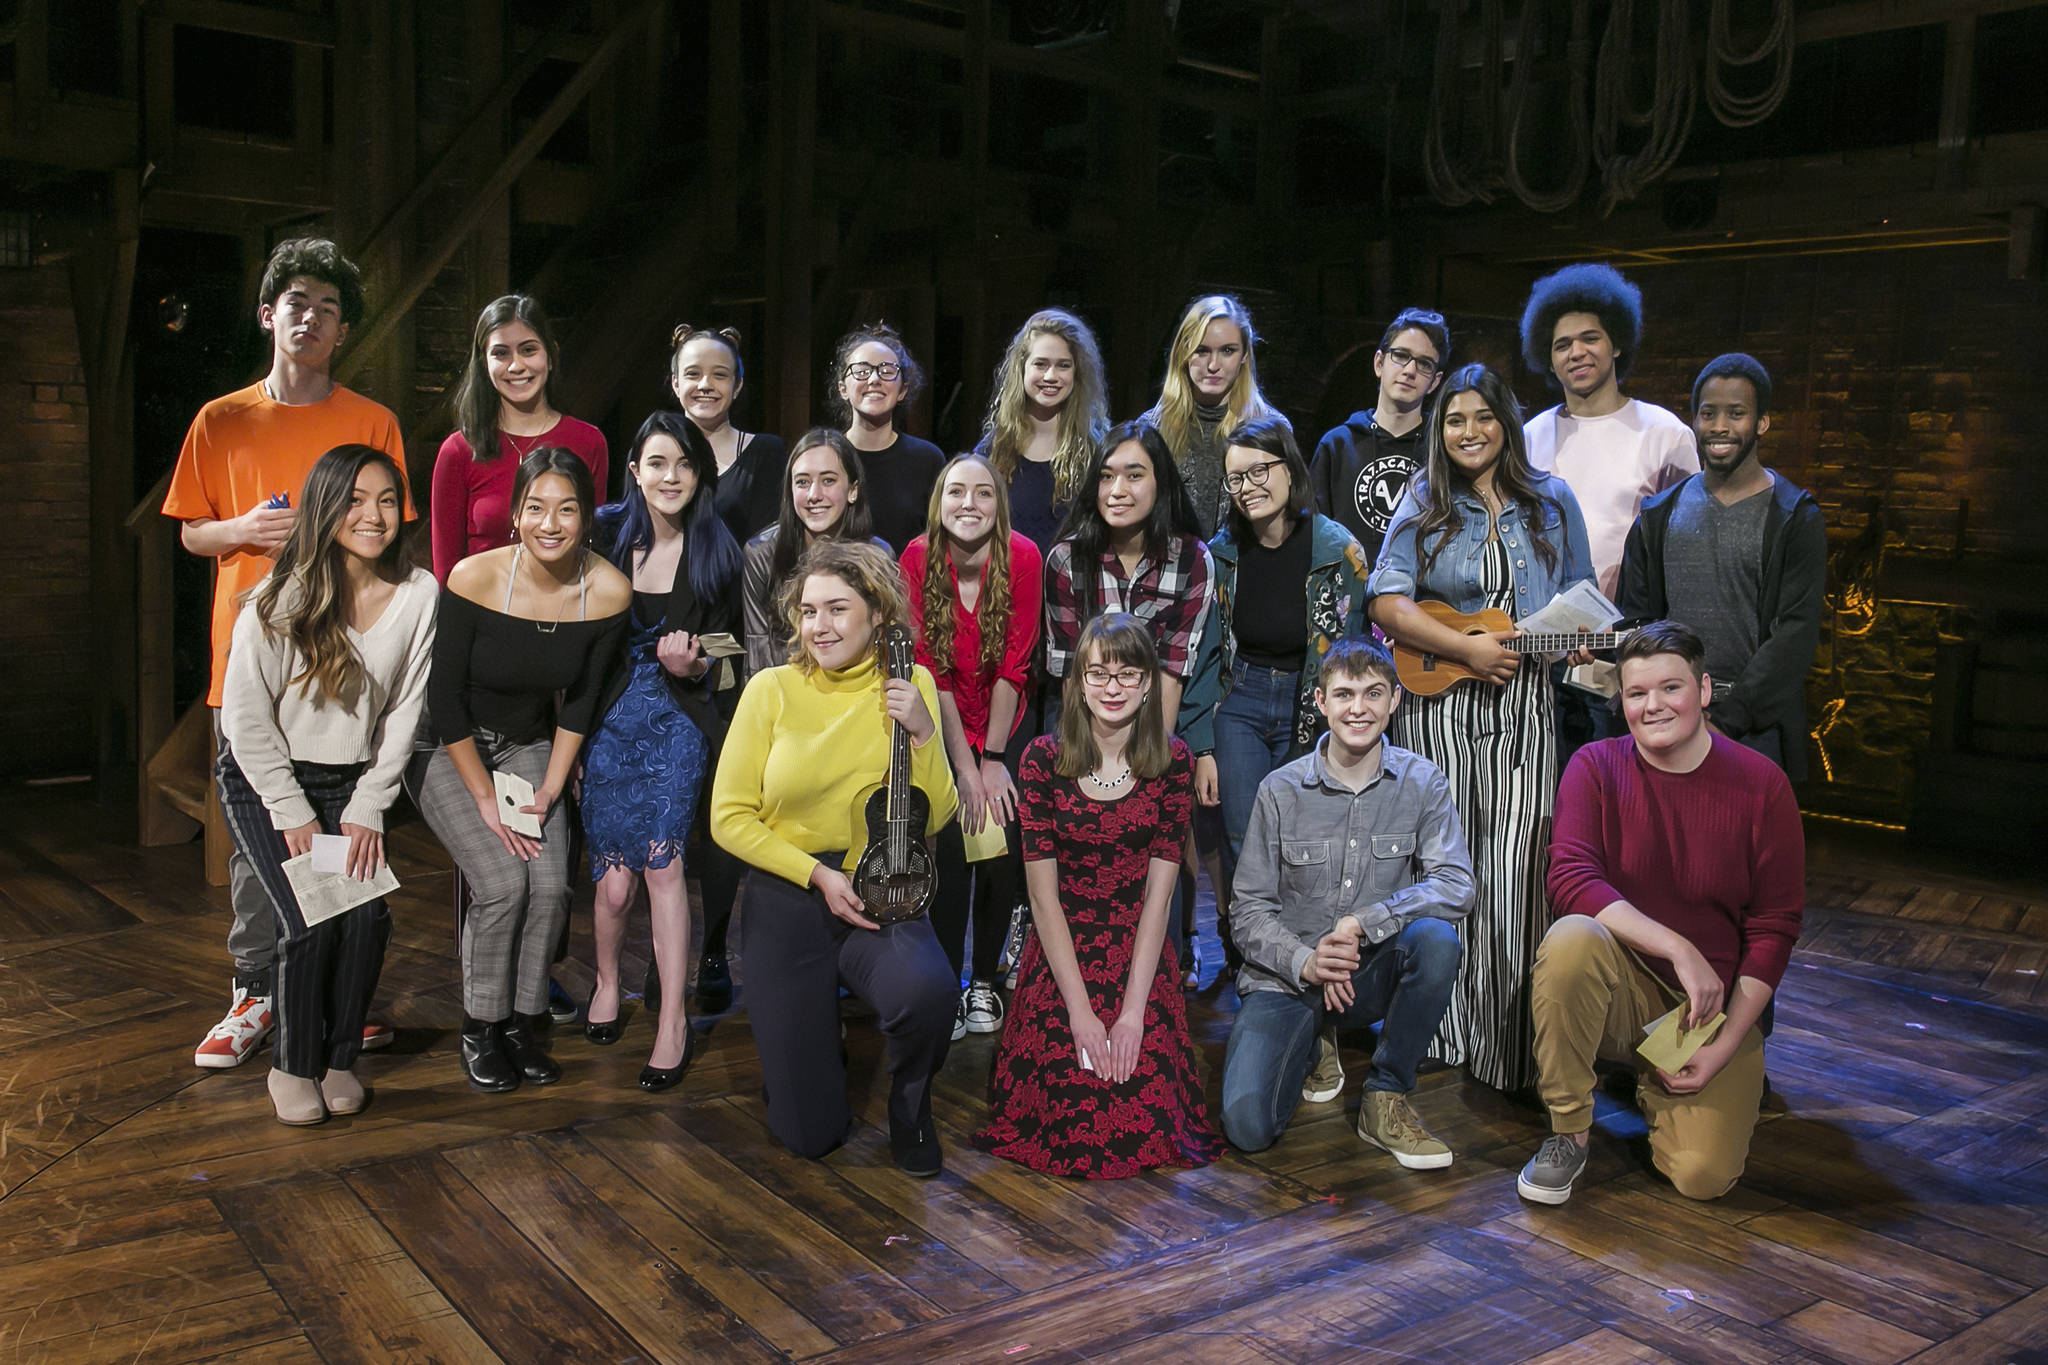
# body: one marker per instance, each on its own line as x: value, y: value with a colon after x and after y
x: 1449, y: 185
x: 1578, y: 59
x: 1742, y: 111
x: 1668, y: 116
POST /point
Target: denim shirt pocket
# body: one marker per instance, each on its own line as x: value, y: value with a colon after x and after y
x: 1392, y: 856
x: 1304, y: 868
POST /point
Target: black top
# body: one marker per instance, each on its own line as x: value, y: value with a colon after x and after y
x: 1269, y: 615
x: 1033, y: 513
x: 749, y: 495
x: 501, y: 673
x: 657, y: 614
x: 1359, y: 473
x: 898, y: 487
x: 649, y: 608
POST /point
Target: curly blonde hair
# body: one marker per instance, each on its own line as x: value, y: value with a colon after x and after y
x: 993, y: 610
x: 865, y: 568
x: 1083, y: 419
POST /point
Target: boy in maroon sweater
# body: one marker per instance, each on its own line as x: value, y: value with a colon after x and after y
x: 1677, y: 875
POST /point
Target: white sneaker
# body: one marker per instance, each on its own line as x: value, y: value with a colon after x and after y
x: 960, y: 1019
x: 984, y: 1008
x: 229, y: 1043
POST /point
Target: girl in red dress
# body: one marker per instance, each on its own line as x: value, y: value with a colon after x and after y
x: 1095, y: 1075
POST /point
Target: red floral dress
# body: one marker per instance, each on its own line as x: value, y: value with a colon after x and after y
x: 1048, y: 1113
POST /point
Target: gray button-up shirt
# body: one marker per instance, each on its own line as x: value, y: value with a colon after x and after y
x: 1316, y: 851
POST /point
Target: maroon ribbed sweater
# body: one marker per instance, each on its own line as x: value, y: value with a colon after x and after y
x: 1716, y: 854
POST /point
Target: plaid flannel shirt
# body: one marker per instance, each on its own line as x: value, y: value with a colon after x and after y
x: 1173, y: 596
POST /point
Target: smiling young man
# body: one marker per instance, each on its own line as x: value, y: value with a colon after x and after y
x: 1353, y: 877
x: 1678, y: 878
x: 1361, y: 467
x: 1739, y: 553
x: 236, y: 489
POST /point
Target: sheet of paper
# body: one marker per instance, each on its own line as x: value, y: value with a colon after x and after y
x: 514, y: 794
x: 330, y: 853
x: 1582, y: 604
x: 1670, y: 1046
x: 990, y: 843
x: 1600, y: 678
x: 1082, y: 1053
x: 720, y: 644
x: 323, y: 895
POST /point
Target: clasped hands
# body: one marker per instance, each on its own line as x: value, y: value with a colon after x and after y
x: 1336, y: 957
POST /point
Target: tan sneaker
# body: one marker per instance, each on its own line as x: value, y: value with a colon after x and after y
x: 1386, y: 1121
x: 1326, y: 1079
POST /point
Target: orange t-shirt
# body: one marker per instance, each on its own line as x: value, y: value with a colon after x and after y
x: 244, y: 448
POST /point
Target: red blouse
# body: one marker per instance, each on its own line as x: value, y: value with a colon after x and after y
x: 471, y: 507
x: 969, y: 683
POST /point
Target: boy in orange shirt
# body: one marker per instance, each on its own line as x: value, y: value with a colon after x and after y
x: 236, y: 488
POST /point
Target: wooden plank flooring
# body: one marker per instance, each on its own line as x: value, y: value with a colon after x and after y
x: 153, y: 1212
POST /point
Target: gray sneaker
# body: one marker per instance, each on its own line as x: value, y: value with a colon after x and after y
x: 1550, y: 1174
x: 1326, y: 1079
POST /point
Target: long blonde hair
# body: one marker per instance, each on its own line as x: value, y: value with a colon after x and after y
x: 1174, y: 413
x: 993, y: 610
x: 1083, y: 418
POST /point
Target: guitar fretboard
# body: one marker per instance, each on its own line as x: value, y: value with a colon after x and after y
x: 1565, y: 641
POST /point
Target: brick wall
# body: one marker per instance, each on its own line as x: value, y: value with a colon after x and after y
x: 1907, y: 389
x: 46, y: 694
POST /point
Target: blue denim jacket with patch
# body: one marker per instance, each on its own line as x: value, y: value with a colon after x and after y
x: 1454, y: 578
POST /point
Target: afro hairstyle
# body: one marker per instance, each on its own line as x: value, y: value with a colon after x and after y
x: 1587, y: 288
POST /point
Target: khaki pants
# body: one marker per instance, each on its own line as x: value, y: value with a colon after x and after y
x: 1592, y: 998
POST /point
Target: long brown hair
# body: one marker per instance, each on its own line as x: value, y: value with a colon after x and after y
x: 993, y: 610
x: 1119, y: 640
x: 313, y: 618
x: 478, y: 404
x: 854, y: 523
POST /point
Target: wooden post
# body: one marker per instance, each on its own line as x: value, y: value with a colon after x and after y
x: 1275, y: 188
x: 1134, y: 347
x: 493, y: 274
x: 1958, y: 81
x: 793, y: 60
x: 723, y: 117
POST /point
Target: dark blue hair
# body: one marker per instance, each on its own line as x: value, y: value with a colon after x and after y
x: 628, y: 525
x: 1588, y: 288
x: 1736, y: 365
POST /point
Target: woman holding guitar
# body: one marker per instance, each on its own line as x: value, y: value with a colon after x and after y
x: 809, y: 738
x: 1478, y: 528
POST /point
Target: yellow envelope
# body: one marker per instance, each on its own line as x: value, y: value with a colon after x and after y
x: 990, y: 843
x: 1670, y: 1046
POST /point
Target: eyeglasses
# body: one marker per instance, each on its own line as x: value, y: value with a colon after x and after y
x: 1256, y: 476
x: 1403, y: 358
x: 861, y: 373
x: 1125, y: 677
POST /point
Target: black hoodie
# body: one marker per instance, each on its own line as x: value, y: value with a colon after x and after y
x: 1359, y: 473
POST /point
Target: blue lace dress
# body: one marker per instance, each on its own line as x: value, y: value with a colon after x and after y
x: 646, y: 763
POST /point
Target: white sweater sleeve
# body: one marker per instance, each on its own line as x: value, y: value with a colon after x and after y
x: 259, y: 669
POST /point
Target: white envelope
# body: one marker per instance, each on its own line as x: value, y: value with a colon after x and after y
x: 515, y: 792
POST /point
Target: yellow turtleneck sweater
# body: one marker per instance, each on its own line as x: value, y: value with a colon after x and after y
x: 800, y: 752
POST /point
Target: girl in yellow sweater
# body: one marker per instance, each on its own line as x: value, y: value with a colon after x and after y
x: 807, y: 739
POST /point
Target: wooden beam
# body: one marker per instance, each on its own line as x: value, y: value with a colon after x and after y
x: 1814, y: 25
x: 250, y: 21
x: 793, y: 122
x: 1275, y: 184
x: 381, y: 327
x: 1958, y: 83
x: 1134, y: 345
x: 723, y: 118
x: 492, y: 276
x: 31, y: 63
x: 309, y: 121
x: 488, y: 116
x: 974, y: 79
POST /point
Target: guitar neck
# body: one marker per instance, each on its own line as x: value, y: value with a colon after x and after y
x: 1565, y: 641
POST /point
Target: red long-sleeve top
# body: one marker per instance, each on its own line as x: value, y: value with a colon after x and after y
x: 1716, y: 854
x: 970, y: 684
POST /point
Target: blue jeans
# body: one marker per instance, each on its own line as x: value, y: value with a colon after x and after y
x: 1405, y: 981
x: 1254, y: 735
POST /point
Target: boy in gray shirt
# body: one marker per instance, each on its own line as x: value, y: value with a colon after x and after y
x: 1353, y: 877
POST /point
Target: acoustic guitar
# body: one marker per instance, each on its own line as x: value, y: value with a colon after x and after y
x: 895, y: 877
x: 1427, y: 674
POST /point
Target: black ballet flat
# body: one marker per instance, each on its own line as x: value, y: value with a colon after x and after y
x: 603, y: 1034
x: 655, y: 1079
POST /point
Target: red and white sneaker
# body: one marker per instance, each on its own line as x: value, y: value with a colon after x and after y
x: 376, y: 1034
x: 230, y: 1042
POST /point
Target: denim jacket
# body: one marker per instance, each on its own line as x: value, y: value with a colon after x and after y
x: 1336, y: 608
x: 1454, y: 579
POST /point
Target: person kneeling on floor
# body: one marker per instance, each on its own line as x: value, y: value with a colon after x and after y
x: 1352, y: 880
x: 1678, y: 877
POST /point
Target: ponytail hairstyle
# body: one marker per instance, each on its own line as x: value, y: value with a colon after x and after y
x: 628, y: 524
x: 1442, y: 481
x: 305, y: 600
x: 1083, y: 418
x: 1117, y: 640
x: 478, y: 403
x: 993, y: 610
x: 789, y: 527
x: 912, y: 377
x: 862, y: 566
x: 1174, y: 413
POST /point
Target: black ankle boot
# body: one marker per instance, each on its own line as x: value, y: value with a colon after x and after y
x: 484, y: 1058
x: 522, y: 1042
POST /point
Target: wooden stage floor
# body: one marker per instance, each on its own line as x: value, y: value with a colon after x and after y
x: 153, y: 1212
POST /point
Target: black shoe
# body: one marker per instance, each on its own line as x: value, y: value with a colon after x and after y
x: 604, y: 1033
x: 484, y: 1059
x: 919, y: 1155
x: 655, y: 1079
x: 561, y: 1008
x: 650, y: 988
x: 714, y: 984
x: 522, y: 1044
